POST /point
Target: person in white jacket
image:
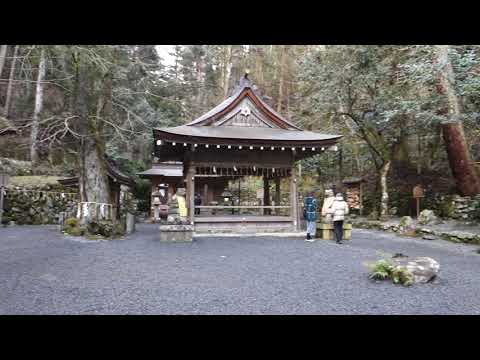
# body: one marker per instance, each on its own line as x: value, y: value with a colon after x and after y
x: 338, y: 210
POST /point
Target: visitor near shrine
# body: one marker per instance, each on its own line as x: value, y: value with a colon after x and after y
x: 327, y: 204
x: 180, y: 197
x: 338, y: 210
x: 198, y: 202
x: 310, y: 215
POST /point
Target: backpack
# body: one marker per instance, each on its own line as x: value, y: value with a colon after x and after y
x: 310, y: 205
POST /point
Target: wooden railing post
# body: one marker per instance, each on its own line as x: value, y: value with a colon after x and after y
x: 293, y: 198
x: 190, y: 200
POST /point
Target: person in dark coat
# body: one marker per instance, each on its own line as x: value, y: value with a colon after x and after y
x: 197, y: 201
x: 310, y: 207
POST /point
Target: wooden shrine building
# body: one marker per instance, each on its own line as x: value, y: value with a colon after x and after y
x: 241, y: 137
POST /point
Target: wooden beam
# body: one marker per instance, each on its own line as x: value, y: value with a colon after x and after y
x: 242, y: 207
x: 191, y: 193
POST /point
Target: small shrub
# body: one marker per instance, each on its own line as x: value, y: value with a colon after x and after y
x: 103, y: 228
x: 75, y: 231
x: 476, y: 212
x: 118, y: 229
x: 72, y: 222
x: 381, y: 270
x: 445, y: 208
x: 72, y: 227
x: 400, y: 275
x: 385, y: 269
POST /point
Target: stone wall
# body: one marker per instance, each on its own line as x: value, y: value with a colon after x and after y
x: 35, y: 205
x: 458, y: 208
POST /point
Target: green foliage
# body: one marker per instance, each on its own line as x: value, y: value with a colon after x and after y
x: 75, y: 231
x: 381, y: 270
x: 385, y: 269
x: 105, y: 229
x: 476, y: 212
x: 445, y: 208
x: 400, y: 275
x: 141, y: 192
x: 72, y: 222
x: 72, y: 227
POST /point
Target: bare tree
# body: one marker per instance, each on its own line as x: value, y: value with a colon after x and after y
x: 38, y: 109
x: 10, y: 82
x: 3, y: 54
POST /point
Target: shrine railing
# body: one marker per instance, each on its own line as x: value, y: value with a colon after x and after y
x: 95, y: 211
x: 283, y: 210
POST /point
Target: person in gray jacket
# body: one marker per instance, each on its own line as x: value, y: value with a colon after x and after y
x: 338, y: 210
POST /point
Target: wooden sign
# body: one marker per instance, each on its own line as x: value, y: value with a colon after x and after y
x: 259, y: 193
x: 418, y: 192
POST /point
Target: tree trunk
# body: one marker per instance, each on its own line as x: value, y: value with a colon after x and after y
x: 37, y: 110
x: 463, y: 170
x: 383, y: 172
x: 227, y: 70
x: 93, y: 177
x: 8, y: 98
x: 259, y: 66
x: 282, y: 76
x: 3, y: 55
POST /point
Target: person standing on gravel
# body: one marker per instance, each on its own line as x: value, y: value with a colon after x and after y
x: 327, y: 204
x: 310, y: 215
x: 338, y: 210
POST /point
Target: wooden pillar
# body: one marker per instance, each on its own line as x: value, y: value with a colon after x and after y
x: 1, y: 204
x: 361, y: 199
x: 277, y: 194
x: 205, y: 194
x: 190, y: 200
x: 266, y: 195
x: 293, y: 198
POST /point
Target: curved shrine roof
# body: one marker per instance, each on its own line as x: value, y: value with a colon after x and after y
x: 244, y: 118
x: 248, y: 133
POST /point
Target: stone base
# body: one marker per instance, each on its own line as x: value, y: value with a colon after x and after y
x: 325, y: 231
x: 176, y: 233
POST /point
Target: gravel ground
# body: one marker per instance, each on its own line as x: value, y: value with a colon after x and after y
x: 44, y: 272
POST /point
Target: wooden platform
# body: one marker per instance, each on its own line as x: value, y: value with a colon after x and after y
x: 241, y: 218
x: 243, y: 224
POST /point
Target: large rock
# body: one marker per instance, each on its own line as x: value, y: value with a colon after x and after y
x: 427, y: 217
x: 406, y: 226
x: 423, y: 269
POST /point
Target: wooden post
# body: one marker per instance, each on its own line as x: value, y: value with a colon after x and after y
x: 205, y: 194
x: 266, y: 195
x: 190, y: 200
x: 4, y: 181
x: 418, y: 207
x: 361, y: 199
x: 1, y: 204
x: 293, y: 198
x: 277, y: 194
